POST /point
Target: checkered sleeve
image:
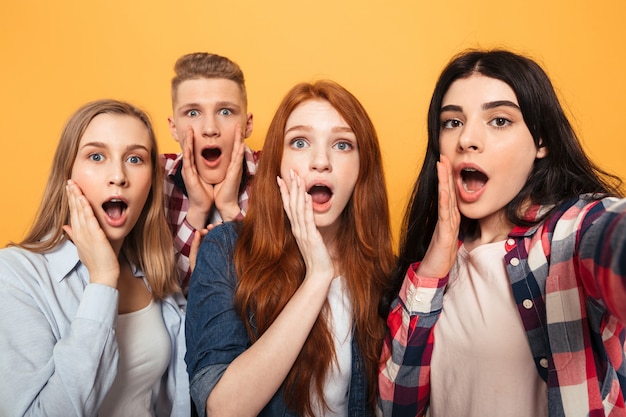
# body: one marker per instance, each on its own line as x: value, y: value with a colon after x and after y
x: 404, y: 375
x: 603, y: 254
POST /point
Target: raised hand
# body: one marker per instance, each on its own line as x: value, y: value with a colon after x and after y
x: 94, y: 249
x: 299, y: 209
x: 441, y: 253
x: 226, y: 193
x: 201, y: 195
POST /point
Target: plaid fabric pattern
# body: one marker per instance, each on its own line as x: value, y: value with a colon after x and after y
x: 177, y: 205
x: 568, y: 277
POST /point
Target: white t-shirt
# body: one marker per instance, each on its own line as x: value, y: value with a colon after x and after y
x: 481, y: 363
x: 144, y: 349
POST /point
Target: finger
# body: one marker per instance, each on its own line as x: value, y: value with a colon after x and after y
x: 284, y: 195
x: 188, y: 157
x: 238, y: 148
x: 451, y: 185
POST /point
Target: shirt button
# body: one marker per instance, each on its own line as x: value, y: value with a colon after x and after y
x: 528, y: 304
x: 514, y: 261
x: 510, y: 242
x: 543, y: 362
x: 418, y: 298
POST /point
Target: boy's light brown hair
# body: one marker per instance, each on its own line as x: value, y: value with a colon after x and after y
x: 205, y: 65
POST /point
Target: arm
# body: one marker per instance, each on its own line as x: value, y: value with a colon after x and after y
x: 404, y: 379
x: 58, y: 346
x: 51, y: 367
x: 252, y: 377
x: 602, y: 254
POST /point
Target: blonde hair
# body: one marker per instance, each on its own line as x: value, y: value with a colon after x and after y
x: 204, y: 65
x: 149, y: 244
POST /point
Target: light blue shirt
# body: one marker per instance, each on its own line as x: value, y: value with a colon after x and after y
x: 58, y: 350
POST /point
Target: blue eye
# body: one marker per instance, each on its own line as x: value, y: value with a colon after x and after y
x: 225, y: 112
x: 193, y: 113
x: 298, y: 143
x: 135, y: 159
x: 344, y: 146
x: 96, y: 157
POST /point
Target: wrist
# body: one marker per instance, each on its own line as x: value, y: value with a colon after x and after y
x: 197, y: 218
x: 230, y: 213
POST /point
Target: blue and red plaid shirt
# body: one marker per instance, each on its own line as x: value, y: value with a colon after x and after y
x: 568, y: 276
x: 177, y: 205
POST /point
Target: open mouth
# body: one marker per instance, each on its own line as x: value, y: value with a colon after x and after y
x: 320, y: 194
x: 211, y: 154
x: 473, y: 180
x: 114, y: 208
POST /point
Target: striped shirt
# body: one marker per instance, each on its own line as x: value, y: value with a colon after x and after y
x: 568, y: 277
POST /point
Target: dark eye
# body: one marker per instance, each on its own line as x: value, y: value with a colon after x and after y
x: 225, y: 112
x: 450, y: 123
x: 96, y: 157
x: 500, y: 122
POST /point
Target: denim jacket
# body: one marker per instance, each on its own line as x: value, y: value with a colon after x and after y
x: 216, y: 335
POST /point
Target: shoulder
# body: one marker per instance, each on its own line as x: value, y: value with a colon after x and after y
x: 18, y: 262
x: 170, y: 162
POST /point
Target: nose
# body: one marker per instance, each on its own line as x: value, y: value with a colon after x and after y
x: 210, y: 127
x: 320, y: 160
x: 117, y: 175
x: 470, y: 138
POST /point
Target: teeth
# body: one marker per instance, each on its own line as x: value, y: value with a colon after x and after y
x: 470, y: 169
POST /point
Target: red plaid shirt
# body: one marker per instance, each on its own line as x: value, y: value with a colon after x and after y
x: 177, y: 205
x: 568, y: 277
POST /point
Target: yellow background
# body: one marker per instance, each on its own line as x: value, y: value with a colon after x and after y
x: 57, y: 55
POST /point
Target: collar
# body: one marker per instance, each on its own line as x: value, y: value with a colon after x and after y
x: 63, y: 259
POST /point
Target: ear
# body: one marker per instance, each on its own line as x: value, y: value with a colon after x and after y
x: 172, y: 125
x: 542, y: 150
x: 249, y: 123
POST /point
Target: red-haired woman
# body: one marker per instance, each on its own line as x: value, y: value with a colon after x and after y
x: 282, y: 315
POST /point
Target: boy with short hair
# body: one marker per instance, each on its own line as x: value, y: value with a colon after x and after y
x: 208, y: 182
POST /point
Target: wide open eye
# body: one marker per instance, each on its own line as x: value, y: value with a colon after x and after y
x: 299, y: 143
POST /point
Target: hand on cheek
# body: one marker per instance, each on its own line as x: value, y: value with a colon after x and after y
x: 299, y: 209
x: 94, y: 249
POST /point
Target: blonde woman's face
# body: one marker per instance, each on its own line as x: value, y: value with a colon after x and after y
x: 114, y: 171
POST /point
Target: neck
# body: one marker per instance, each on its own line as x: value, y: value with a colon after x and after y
x: 491, y: 229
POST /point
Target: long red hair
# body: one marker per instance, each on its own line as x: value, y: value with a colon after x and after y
x: 270, y: 267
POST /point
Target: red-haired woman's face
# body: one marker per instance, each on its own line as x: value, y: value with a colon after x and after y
x: 323, y: 150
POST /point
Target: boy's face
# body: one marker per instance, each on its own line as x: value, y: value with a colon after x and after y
x: 214, y: 108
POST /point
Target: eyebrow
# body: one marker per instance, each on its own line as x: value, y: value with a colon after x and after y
x: 485, y: 106
x: 308, y: 127
x: 218, y: 104
x: 96, y: 144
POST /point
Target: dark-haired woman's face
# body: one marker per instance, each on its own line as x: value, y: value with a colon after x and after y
x: 484, y: 135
